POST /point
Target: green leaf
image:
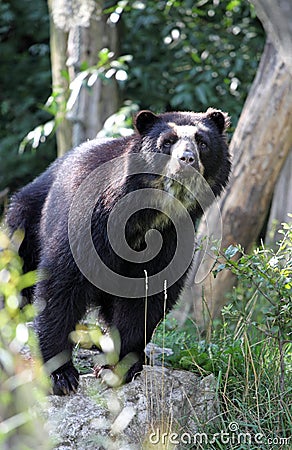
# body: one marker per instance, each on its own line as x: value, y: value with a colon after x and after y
x: 233, y: 5
x: 201, y: 94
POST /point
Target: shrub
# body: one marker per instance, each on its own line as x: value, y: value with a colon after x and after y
x: 249, y: 349
x: 22, y: 384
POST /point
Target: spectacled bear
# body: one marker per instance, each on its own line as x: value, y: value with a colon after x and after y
x: 195, y: 148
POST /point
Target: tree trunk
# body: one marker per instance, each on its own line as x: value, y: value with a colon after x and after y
x: 280, y: 31
x: 260, y: 145
x: 93, y: 106
x: 276, y: 16
x: 79, y: 30
x: 58, y: 46
x: 282, y: 202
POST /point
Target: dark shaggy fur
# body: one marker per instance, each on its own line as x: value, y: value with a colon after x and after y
x: 42, y: 208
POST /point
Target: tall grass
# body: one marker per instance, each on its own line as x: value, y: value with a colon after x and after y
x: 248, y: 349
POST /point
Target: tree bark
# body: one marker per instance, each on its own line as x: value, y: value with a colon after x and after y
x: 79, y: 30
x: 280, y: 31
x: 93, y: 106
x: 282, y: 202
x: 260, y: 145
x: 275, y: 16
x: 58, y: 46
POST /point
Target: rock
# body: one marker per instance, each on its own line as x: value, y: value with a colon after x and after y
x: 133, y: 416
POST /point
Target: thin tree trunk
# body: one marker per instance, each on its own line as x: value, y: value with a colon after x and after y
x: 93, y: 106
x: 79, y: 30
x: 261, y: 144
x: 58, y: 46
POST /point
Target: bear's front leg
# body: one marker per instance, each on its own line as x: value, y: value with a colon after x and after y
x: 64, y: 306
x: 129, y: 318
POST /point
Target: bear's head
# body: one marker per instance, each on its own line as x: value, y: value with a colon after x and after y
x: 196, y: 143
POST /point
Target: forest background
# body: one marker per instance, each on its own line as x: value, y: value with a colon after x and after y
x: 198, y: 56
x: 109, y: 59
x: 168, y: 55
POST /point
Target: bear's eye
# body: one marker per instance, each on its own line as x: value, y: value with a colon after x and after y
x: 202, y: 145
x: 167, y: 143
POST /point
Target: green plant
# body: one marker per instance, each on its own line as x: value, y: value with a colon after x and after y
x: 25, y: 84
x: 269, y: 273
x: 107, y: 67
x: 22, y: 383
x: 249, y: 350
x: 189, y: 55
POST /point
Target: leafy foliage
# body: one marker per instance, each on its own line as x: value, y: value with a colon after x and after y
x: 250, y: 349
x: 269, y: 272
x: 184, y: 55
x: 190, y: 55
x: 25, y: 84
x: 22, y: 384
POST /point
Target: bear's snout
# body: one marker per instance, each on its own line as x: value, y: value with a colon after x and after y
x: 185, y: 151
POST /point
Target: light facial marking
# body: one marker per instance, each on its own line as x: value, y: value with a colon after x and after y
x: 184, y: 130
x: 187, y: 130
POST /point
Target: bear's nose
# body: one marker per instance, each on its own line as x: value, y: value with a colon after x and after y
x: 187, y: 157
x: 185, y: 151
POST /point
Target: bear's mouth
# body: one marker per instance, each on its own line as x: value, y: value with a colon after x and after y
x: 181, y: 170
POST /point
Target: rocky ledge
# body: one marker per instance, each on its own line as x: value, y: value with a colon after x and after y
x: 161, y: 408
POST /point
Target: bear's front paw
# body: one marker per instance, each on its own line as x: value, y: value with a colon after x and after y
x: 97, y: 369
x: 65, y: 380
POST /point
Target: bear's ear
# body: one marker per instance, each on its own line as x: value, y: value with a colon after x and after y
x: 145, y: 120
x: 220, y: 118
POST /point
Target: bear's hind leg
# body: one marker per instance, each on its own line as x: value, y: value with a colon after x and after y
x: 64, y: 307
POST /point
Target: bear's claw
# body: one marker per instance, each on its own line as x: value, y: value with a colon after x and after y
x: 65, y: 380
